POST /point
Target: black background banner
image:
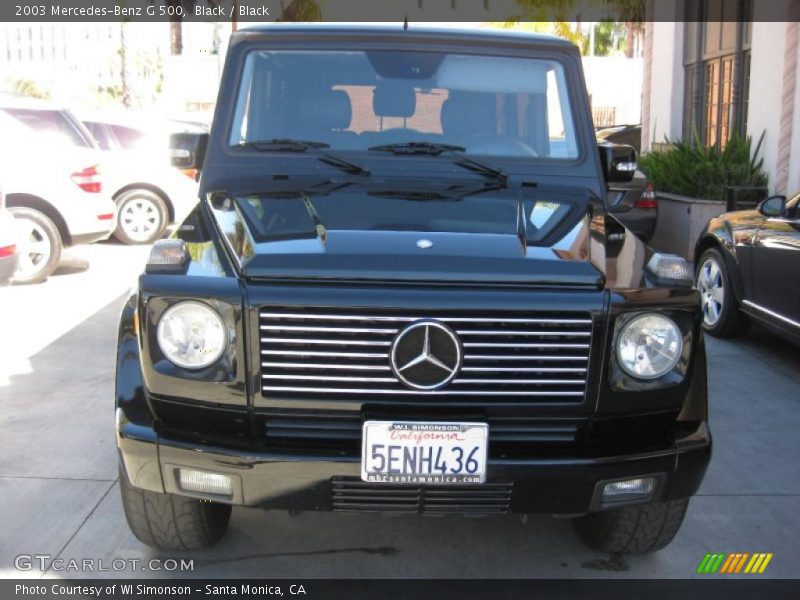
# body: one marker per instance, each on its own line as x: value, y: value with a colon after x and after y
x: 249, y: 11
x: 718, y: 588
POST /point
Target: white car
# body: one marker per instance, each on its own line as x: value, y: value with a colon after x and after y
x: 8, y: 243
x: 56, y: 195
x: 149, y: 192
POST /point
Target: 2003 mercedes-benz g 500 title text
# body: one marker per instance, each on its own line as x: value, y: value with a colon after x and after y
x: 400, y: 291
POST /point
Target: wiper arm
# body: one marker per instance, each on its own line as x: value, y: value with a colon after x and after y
x: 282, y: 145
x: 436, y: 149
x: 344, y: 165
x: 418, y: 148
x: 487, y: 170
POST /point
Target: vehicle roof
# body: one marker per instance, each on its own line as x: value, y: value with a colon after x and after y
x: 9, y: 100
x: 398, y: 29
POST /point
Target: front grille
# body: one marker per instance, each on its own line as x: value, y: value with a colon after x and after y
x: 340, y: 433
x: 344, y: 353
x: 354, y: 495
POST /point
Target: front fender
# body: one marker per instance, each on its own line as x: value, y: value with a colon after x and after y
x: 137, y: 441
x: 719, y: 234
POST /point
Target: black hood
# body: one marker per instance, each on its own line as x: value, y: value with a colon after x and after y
x: 398, y: 233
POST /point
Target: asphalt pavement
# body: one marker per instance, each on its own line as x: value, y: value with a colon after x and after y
x: 59, y: 492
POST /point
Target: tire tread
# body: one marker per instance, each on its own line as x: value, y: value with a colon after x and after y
x: 634, y: 529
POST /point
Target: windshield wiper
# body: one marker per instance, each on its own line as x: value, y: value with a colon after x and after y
x: 291, y: 145
x: 282, y: 145
x: 344, y: 165
x: 418, y: 148
x: 434, y: 149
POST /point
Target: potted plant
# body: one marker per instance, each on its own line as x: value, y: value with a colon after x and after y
x: 695, y: 183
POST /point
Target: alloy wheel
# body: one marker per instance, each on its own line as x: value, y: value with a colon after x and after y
x: 712, y: 291
x: 35, y: 248
x: 140, y: 219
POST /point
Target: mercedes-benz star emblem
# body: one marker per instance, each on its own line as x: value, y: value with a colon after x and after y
x: 426, y: 355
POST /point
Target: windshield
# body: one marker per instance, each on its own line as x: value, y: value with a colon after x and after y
x: 353, y: 100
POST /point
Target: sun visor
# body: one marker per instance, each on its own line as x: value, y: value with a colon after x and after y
x: 492, y: 75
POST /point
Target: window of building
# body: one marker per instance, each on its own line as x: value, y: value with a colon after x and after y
x: 716, y: 69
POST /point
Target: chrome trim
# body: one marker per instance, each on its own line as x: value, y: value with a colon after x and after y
x: 525, y: 381
x: 771, y: 313
x: 326, y: 329
x: 342, y: 342
x: 523, y: 370
x: 328, y: 378
x: 414, y: 392
x: 346, y: 352
x: 319, y: 353
x: 514, y: 345
x: 326, y: 366
x: 508, y: 332
x: 340, y: 317
x: 503, y: 357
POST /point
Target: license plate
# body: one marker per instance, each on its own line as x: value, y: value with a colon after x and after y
x: 424, y: 453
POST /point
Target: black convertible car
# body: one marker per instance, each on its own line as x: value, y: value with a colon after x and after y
x: 748, y: 266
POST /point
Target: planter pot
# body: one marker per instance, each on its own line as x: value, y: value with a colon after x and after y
x: 744, y: 197
x: 681, y: 220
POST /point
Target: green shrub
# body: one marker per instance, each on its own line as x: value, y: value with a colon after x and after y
x: 704, y: 172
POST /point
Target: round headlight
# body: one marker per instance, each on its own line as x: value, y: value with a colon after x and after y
x: 649, y: 346
x: 191, y: 335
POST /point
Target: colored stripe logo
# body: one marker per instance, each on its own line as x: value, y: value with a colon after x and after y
x: 734, y: 562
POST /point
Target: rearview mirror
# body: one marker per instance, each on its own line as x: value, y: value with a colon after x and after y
x: 619, y: 162
x: 187, y: 150
x: 774, y: 206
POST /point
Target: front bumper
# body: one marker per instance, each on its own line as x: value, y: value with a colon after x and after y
x: 564, y: 486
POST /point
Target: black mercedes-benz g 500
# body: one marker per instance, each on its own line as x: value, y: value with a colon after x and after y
x: 401, y: 291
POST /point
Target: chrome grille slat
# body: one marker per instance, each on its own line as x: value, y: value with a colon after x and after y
x: 327, y: 329
x: 333, y: 353
x: 319, y: 353
x: 463, y: 332
x: 522, y: 357
x: 282, y: 365
x: 522, y: 370
x: 393, y: 319
x: 327, y: 342
x: 405, y: 392
x: 521, y: 345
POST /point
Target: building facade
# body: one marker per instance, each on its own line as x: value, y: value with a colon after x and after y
x: 715, y: 67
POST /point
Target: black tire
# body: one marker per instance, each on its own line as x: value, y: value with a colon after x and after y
x: 731, y: 321
x: 36, y: 267
x: 140, y: 200
x: 633, y: 530
x: 172, y: 522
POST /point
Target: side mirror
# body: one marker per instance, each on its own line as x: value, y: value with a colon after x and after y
x: 187, y: 150
x: 774, y: 206
x: 619, y: 162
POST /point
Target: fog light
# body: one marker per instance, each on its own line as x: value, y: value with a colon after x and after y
x: 191, y: 480
x: 628, y: 489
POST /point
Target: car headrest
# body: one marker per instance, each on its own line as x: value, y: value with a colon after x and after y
x: 394, y: 99
x: 466, y: 114
x: 326, y: 110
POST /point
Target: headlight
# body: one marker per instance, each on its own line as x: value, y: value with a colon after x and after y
x: 191, y: 335
x: 649, y: 346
